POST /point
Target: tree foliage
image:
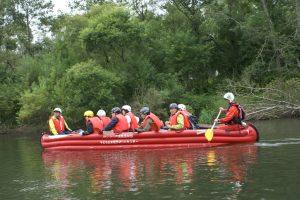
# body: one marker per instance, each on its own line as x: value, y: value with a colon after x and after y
x: 143, y: 53
x: 87, y: 86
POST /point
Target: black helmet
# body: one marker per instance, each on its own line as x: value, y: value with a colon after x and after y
x: 116, y: 110
x: 145, y: 111
x: 173, y: 105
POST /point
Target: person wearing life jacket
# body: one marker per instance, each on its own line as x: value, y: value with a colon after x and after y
x: 183, y: 109
x: 93, y: 124
x: 178, y: 120
x: 57, y: 123
x: 102, y: 116
x: 150, y: 121
x: 232, y: 120
x: 193, y: 120
x: 118, y: 122
x: 131, y: 118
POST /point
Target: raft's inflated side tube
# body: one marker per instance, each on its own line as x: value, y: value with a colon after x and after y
x: 152, y: 139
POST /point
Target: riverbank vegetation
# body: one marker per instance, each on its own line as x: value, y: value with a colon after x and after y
x: 150, y: 52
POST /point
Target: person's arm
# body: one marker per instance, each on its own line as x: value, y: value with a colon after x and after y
x: 89, y: 127
x: 147, y: 126
x: 180, y: 122
x: 229, y: 116
x: 67, y: 127
x: 223, y: 109
x: 52, y: 127
x: 111, y: 124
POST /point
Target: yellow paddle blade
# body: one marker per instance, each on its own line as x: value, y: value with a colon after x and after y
x: 209, y: 134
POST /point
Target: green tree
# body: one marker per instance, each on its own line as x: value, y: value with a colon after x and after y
x: 112, y: 33
x: 34, y: 14
x: 36, y: 103
x: 87, y: 86
x: 68, y: 46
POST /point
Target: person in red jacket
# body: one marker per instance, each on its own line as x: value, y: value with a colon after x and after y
x: 57, y: 123
x: 93, y: 124
x: 178, y: 120
x: 150, y: 121
x: 183, y: 109
x: 118, y: 122
x: 131, y: 118
x: 232, y: 121
x: 102, y: 115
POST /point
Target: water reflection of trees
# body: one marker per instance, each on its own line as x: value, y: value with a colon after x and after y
x: 138, y: 170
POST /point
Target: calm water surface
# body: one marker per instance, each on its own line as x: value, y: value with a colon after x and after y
x: 269, y: 169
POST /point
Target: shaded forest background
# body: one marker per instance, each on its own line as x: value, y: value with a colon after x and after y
x: 148, y: 53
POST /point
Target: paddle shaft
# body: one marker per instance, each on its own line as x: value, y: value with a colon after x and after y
x: 216, y: 118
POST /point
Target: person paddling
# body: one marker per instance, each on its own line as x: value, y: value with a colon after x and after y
x: 233, y: 120
x: 102, y: 116
x: 118, y: 122
x: 183, y: 109
x: 178, y: 120
x: 131, y: 118
x: 93, y: 124
x: 193, y: 120
x: 150, y: 121
x: 57, y: 123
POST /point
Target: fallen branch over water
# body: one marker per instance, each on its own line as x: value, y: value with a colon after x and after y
x: 278, y: 99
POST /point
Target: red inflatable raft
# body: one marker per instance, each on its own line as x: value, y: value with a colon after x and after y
x: 162, y: 139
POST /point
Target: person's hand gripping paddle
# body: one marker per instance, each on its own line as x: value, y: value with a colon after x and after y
x: 209, y: 133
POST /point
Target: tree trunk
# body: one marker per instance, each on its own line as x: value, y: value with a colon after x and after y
x: 28, y: 30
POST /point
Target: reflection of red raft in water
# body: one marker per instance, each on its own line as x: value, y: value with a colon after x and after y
x: 227, y: 164
x: 162, y: 139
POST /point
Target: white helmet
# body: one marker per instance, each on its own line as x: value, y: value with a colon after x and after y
x: 57, y: 110
x: 229, y: 96
x: 101, y: 113
x: 126, y: 107
x: 181, y: 106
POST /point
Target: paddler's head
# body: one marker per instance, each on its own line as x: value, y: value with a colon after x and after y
x: 144, y: 112
x: 229, y: 97
x: 173, y: 108
x: 115, y: 111
x: 87, y: 114
x: 57, y: 112
x: 126, y: 109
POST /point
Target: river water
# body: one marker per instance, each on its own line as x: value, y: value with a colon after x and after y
x: 269, y: 169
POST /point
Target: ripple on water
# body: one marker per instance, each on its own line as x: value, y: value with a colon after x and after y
x: 278, y: 143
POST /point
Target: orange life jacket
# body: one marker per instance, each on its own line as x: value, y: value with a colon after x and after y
x: 233, y: 109
x: 59, y: 123
x: 173, y: 120
x: 96, y: 123
x: 186, y: 113
x: 157, y: 122
x: 105, y: 120
x: 122, y: 124
x: 133, y: 121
